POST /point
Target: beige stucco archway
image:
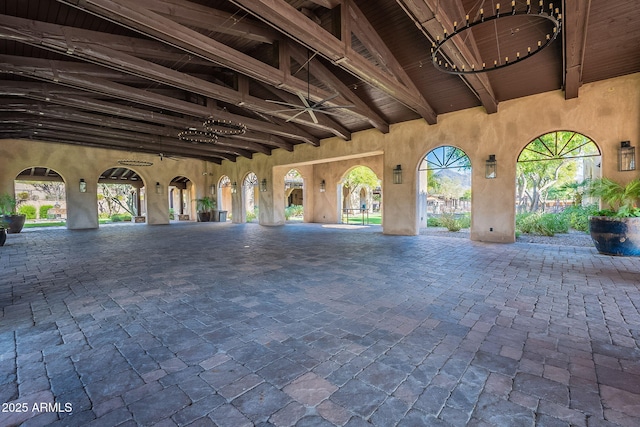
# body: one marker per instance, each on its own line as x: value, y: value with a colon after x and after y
x: 356, y: 200
x: 441, y: 158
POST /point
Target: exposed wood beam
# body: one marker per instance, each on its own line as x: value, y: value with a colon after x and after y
x: 55, y: 71
x: 259, y: 131
x: 88, y: 51
x: 113, y: 144
x: 289, y: 21
x: 432, y: 18
x: 154, y: 25
x: 329, y: 4
x: 138, y: 140
x: 68, y: 114
x: 574, y: 39
x: 199, y: 16
x: 321, y: 72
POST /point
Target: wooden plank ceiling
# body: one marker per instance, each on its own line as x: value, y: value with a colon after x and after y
x: 131, y: 75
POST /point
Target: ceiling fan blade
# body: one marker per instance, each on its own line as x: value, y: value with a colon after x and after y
x: 319, y: 103
x: 331, y: 107
x: 296, y: 115
x: 313, y: 116
x: 288, y: 110
x: 304, y: 100
x: 288, y: 104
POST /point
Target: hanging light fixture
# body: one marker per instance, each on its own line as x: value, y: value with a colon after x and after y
x: 397, y: 175
x: 445, y: 64
x: 626, y: 157
x: 491, y: 167
x: 213, y: 129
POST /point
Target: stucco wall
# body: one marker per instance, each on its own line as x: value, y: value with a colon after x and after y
x: 608, y: 112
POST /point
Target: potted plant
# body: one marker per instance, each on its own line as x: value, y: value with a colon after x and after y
x: 204, y: 207
x: 3, y: 231
x: 13, y: 221
x: 616, y: 230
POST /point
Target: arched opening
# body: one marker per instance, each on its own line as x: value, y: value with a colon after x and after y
x: 444, y: 178
x: 40, y: 196
x: 551, y: 177
x: 360, y: 197
x: 224, y: 199
x: 121, y: 196
x: 250, y: 197
x: 179, y: 198
x: 294, y: 196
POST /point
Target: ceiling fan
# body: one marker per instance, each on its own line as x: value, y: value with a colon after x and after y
x: 309, y: 106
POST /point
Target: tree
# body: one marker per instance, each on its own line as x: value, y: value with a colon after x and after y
x: 549, y: 161
x: 52, y: 190
x: 113, y: 198
x: 359, y: 177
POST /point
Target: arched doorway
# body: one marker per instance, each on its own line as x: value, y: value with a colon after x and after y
x: 551, y: 176
x: 250, y: 197
x: 40, y: 194
x: 361, y: 197
x: 444, y: 178
x: 121, y: 196
x: 179, y: 198
x: 294, y: 196
x: 224, y: 198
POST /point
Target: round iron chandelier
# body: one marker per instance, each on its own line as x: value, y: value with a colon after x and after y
x: 224, y: 127
x: 447, y: 65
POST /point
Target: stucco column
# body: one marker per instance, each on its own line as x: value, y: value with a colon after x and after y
x: 157, y: 204
x: 82, y: 208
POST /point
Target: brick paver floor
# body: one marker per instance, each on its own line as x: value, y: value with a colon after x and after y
x: 304, y: 325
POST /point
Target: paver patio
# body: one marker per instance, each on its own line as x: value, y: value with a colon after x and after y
x: 304, y: 325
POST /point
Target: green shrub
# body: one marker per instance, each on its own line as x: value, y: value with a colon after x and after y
x: 465, y: 220
x: 545, y: 224
x: 449, y: 221
x: 27, y: 210
x: 43, y: 211
x: 433, y: 221
x: 116, y: 218
x: 578, y: 216
x: 251, y: 216
x: 293, y: 210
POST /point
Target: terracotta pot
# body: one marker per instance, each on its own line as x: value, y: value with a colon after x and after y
x: 615, y: 236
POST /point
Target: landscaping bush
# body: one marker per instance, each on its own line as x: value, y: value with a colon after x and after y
x: 293, y: 210
x: 449, y: 221
x: 545, y: 224
x: 578, y: 216
x: 116, y: 218
x: 251, y: 216
x: 433, y: 221
x: 44, y: 209
x: 28, y: 211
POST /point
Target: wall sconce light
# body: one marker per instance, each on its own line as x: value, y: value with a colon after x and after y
x: 491, y: 167
x: 626, y: 157
x: 323, y: 186
x: 263, y: 185
x: 212, y: 189
x: 83, y: 185
x: 158, y: 188
x: 234, y: 187
x: 397, y: 175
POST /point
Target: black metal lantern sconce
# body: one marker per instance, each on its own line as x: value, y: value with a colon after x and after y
x: 397, y: 174
x: 158, y: 188
x: 263, y: 185
x: 83, y: 185
x: 323, y: 186
x: 234, y: 187
x: 626, y: 157
x: 491, y: 168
